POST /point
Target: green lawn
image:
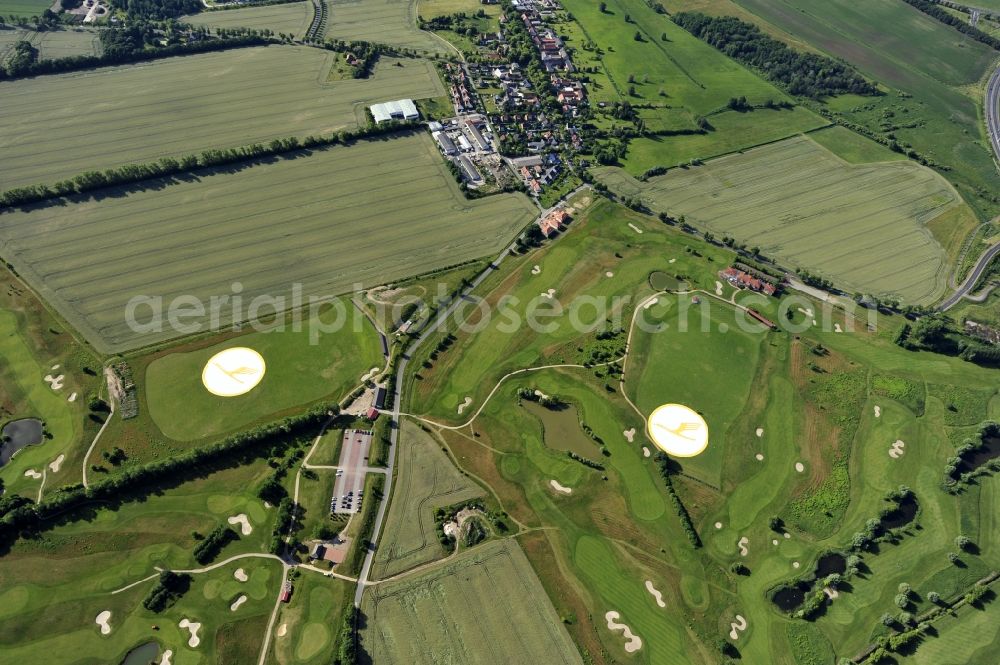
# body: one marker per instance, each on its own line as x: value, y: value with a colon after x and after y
x: 299, y: 372
x: 853, y: 148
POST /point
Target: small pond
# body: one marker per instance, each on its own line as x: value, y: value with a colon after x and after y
x: 832, y: 562
x: 144, y: 654
x: 789, y: 598
x: 901, y: 515
x: 989, y: 450
x: 17, y: 434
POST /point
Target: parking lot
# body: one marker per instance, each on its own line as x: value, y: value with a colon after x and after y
x: 350, y: 481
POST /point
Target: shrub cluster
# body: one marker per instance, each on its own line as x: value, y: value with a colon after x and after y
x: 209, y: 548
x: 686, y: 523
x: 168, y: 588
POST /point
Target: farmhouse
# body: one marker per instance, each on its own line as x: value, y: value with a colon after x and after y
x: 401, y: 109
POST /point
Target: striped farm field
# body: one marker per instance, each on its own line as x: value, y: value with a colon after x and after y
x: 366, y: 214
x: 485, y: 607
x: 862, y: 225
x: 55, y: 127
x: 23, y: 7
x: 391, y: 22
x: 291, y: 18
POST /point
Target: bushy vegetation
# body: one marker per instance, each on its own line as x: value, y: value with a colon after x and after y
x: 805, y: 74
x: 209, y: 548
x: 168, y: 588
x: 686, y: 523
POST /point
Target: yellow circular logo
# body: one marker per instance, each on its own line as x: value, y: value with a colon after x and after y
x: 233, y: 372
x: 677, y: 430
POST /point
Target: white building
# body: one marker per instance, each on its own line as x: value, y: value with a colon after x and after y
x: 401, y: 109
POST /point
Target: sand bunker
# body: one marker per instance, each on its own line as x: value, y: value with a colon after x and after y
x: 560, y: 488
x: 71, y: 398
x: 56, y: 383
x: 742, y: 544
x: 282, y: 630
x: 787, y: 535
x: 896, y: 451
x: 541, y: 395
x: 774, y: 542
x: 649, y: 303
x: 657, y: 596
x: 104, y: 621
x: 464, y: 405
x: 629, y: 435
x: 637, y: 230
x: 31, y: 473
x: 633, y: 642
x: 718, y: 288
x: 795, y: 564
x: 239, y: 601
x: 830, y: 593
x: 878, y: 411
x: 193, y: 628
x: 808, y: 311
x: 718, y: 525
x: 241, y: 575
x: 737, y: 627
x: 167, y: 655
x: 370, y: 374
x: 759, y: 457
x: 800, y: 467
x: 244, y: 523
x: 56, y: 464
x: 55, y: 367
x: 536, y: 270
x: 672, y: 261
x: 645, y: 452
x: 837, y: 328
x: 759, y: 432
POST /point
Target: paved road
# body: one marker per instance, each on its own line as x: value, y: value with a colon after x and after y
x: 973, y: 277
x: 992, y: 111
x: 397, y: 399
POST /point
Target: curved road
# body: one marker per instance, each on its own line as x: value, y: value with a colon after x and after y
x: 973, y: 277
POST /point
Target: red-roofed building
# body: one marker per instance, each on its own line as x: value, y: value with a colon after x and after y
x: 743, y: 280
x: 553, y: 222
x: 372, y: 414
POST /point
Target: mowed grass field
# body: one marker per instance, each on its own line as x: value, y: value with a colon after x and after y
x: 291, y: 18
x: 427, y: 481
x: 24, y: 7
x: 360, y: 215
x: 886, y: 39
x: 391, y: 22
x: 300, y: 370
x: 52, y: 44
x: 485, y: 607
x: 863, y: 226
x: 55, y: 127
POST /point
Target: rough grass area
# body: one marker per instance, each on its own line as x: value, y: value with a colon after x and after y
x: 853, y: 147
x: 384, y: 21
x: 864, y: 226
x: 361, y: 215
x: 24, y: 7
x: 485, y: 607
x: 291, y: 18
x: 180, y: 106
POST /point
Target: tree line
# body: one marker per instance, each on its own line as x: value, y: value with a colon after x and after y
x: 805, y: 74
x: 686, y: 522
x: 20, y: 516
x: 90, y: 181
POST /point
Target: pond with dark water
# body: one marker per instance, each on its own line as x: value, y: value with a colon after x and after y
x: 18, y: 434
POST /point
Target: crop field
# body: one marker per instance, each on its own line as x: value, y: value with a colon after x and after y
x: 55, y: 127
x: 863, y: 226
x: 391, y: 22
x: 300, y: 370
x: 486, y: 606
x: 291, y: 18
x: 52, y: 44
x: 279, y: 218
x: 885, y: 39
x: 427, y: 481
